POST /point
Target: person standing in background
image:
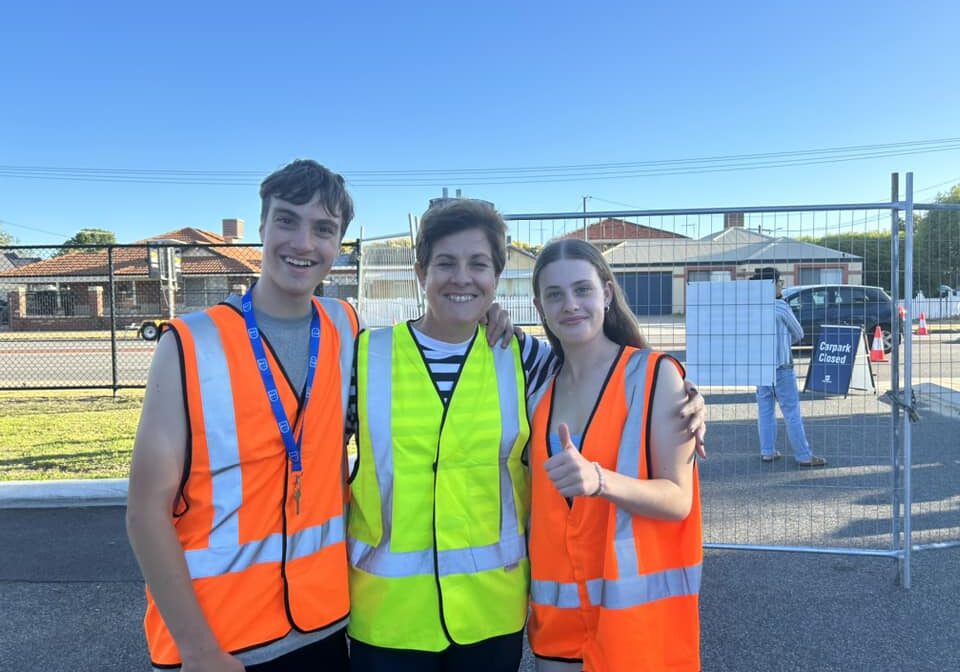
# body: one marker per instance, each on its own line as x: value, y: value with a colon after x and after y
x: 784, y: 390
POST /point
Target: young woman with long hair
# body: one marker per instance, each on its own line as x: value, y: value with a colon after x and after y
x: 615, y: 536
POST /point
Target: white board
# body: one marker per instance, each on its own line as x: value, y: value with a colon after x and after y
x: 731, y: 333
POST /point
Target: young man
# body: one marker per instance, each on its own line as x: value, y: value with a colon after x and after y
x: 240, y: 533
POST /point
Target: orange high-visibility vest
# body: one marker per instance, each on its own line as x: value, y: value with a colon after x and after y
x: 261, y: 570
x: 616, y: 591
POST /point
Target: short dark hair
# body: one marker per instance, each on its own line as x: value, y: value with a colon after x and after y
x: 619, y: 322
x: 461, y: 214
x: 766, y: 273
x: 299, y: 181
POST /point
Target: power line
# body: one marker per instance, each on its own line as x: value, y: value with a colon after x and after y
x: 503, y: 176
x: 33, y: 228
x: 953, y: 180
x: 625, y: 205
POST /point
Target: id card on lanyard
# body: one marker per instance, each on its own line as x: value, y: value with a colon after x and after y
x: 291, y: 443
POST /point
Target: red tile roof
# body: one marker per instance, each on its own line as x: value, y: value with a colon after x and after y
x: 612, y: 229
x: 188, y: 234
x: 214, y: 258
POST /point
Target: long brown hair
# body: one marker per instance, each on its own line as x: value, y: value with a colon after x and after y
x: 619, y: 322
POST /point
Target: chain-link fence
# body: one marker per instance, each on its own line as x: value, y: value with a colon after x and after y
x: 88, y: 316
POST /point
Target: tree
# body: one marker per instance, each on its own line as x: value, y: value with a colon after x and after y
x: 937, y: 247
x: 528, y: 247
x: 90, y: 237
x: 93, y: 237
x: 7, y: 238
x: 873, y: 248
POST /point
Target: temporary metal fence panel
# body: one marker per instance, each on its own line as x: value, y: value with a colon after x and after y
x: 934, y: 452
x: 388, y: 285
x: 855, y: 505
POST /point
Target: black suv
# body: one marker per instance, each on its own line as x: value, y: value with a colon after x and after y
x: 855, y: 305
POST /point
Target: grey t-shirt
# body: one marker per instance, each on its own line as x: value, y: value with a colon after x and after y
x: 288, y: 338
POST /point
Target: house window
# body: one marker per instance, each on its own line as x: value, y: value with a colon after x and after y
x: 821, y: 276
x: 203, y: 292
x: 126, y: 294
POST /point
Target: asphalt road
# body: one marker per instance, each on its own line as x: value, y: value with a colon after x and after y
x: 72, y: 362
x: 71, y: 600
x: 33, y: 362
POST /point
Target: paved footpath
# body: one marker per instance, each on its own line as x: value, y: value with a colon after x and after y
x: 71, y: 599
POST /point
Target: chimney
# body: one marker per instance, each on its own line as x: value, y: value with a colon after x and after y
x: 232, y: 230
x: 732, y: 219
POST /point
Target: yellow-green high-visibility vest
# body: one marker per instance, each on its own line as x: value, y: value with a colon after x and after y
x: 440, y: 499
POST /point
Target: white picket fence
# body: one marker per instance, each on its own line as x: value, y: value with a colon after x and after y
x: 934, y: 309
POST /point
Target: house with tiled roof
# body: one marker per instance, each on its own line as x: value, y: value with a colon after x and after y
x: 72, y: 289
x: 654, y: 273
x: 612, y: 231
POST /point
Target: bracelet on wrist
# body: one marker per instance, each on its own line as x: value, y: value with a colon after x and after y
x: 601, y: 483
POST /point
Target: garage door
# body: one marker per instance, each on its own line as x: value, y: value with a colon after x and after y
x: 648, y: 293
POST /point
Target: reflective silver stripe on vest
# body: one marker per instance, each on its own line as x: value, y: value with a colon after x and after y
x: 337, y: 312
x: 555, y: 594
x: 217, y: 560
x: 380, y: 560
x: 225, y: 553
x: 628, y: 455
x: 220, y: 429
x: 631, y: 589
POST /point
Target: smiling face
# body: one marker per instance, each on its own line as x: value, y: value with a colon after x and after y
x: 459, y: 283
x: 300, y: 244
x: 571, y: 301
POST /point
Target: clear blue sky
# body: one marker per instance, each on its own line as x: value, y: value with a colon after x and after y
x: 241, y: 88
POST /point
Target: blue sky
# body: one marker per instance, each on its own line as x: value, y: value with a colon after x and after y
x: 239, y: 89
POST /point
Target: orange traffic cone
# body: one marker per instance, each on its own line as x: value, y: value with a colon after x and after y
x: 922, y: 329
x: 876, y: 350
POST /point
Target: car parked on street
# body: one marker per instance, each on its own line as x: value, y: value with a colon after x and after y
x: 854, y: 305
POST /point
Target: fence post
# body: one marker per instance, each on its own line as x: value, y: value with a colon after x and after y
x: 113, y: 320
x: 414, y: 227
x: 895, y: 502
x: 360, y: 297
x: 908, y: 391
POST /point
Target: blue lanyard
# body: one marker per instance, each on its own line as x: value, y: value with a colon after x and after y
x: 253, y: 333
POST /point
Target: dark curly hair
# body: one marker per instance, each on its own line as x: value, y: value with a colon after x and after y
x: 299, y: 181
x: 460, y: 214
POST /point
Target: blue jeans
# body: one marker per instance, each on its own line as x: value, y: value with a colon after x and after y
x: 784, y: 392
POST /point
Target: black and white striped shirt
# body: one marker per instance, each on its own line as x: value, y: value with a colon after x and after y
x: 444, y: 361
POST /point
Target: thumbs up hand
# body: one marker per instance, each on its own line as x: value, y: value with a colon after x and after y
x: 571, y: 473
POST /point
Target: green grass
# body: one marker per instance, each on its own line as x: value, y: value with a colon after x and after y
x: 47, y: 436
x: 57, y: 435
